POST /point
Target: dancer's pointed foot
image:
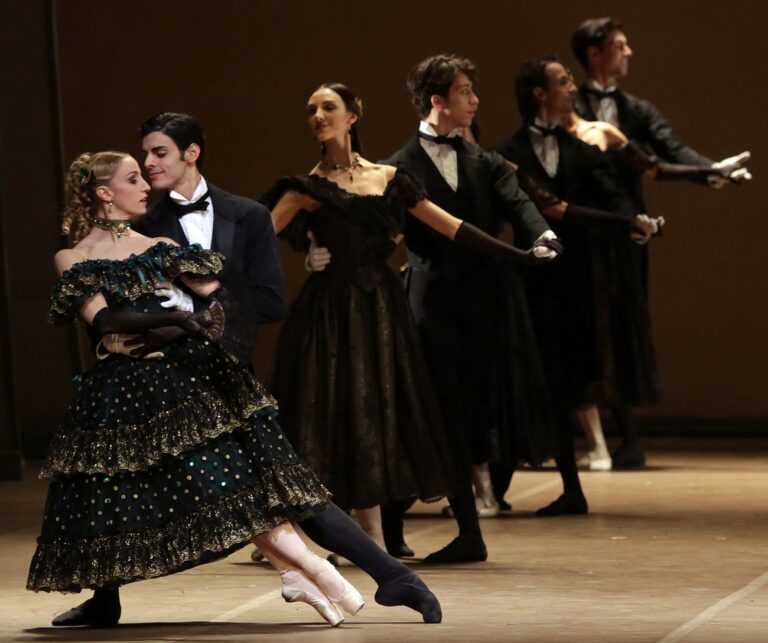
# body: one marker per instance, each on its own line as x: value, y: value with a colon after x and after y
x: 595, y: 460
x: 628, y: 456
x: 298, y: 588
x: 409, y: 590
x: 463, y: 549
x: 102, y: 610
x: 486, y: 506
x: 337, y: 588
x: 570, y: 504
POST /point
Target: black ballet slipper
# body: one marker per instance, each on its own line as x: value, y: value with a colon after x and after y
x: 504, y: 505
x: 401, y: 550
x: 566, y: 505
x: 463, y: 549
x: 409, y: 590
x: 628, y: 456
x: 99, y: 611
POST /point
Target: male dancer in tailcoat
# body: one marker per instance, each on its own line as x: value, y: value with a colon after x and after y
x: 567, y: 301
x: 602, y: 48
x: 194, y: 211
x: 452, y: 289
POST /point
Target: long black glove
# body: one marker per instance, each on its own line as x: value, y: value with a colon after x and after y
x: 542, y: 198
x: 640, y: 160
x: 149, y: 338
x: 126, y: 321
x: 153, y: 340
x: 474, y: 238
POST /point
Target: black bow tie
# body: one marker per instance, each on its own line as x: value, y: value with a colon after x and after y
x: 544, y: 131
x: 201, y: 204
x: 454, y: 141
x: 601, y: 94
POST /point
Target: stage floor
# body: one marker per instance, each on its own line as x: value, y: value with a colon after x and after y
x: 675, y: 552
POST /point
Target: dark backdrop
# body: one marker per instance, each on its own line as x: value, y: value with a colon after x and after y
x: 246, y: 68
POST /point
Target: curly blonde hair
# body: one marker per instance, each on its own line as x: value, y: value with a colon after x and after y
x: 87, y: 172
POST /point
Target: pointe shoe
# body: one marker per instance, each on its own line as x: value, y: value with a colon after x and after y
x: 485, y: 503
x: 351, y: 601
x: 487, y: 507
x: 409, y: 590
x: 92, y: 613
x: 298, y: 588
x: 596, y: 460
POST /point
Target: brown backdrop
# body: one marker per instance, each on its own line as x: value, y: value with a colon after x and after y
x: 245, y: 68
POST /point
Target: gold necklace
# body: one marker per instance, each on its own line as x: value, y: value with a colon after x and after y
x: 356, y: 162
x: 118, y: 227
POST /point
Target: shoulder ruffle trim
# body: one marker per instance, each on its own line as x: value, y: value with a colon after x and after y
x: 128, y: 278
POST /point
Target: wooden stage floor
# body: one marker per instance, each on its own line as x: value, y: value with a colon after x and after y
x: 676, y: 552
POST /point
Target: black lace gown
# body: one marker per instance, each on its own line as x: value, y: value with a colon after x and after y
x: 160, y: 464
x: 355, y: 395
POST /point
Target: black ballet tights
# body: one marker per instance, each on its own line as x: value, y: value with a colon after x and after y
x: 501, y: 478
x: 335, y: 531
x: 625, y: 424
x: 465, y: 510
x: 566, y: 466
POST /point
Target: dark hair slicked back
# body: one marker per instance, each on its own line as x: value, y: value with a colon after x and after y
x: 592, y: 33
x: 532, y: 74
x: 182, y: 129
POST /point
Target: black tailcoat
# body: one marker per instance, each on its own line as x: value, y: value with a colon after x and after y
x: 567, y: 297
x: 454, y: 292
x: 253, y: 275
x: 641, y: 122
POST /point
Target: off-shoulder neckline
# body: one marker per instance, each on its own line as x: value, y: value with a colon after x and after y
x: 347, y: 193
x: 133, y: 256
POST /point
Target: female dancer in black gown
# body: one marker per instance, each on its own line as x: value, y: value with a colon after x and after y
x: 355, y: 395
x: 163, y: 464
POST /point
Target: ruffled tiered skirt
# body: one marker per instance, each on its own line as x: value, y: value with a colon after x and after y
x: 161, y: 465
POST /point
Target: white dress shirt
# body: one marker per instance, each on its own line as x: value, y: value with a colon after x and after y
x: 443, y: 155
x: 197, y: 226
x: 546, y: 148
x: 604, y: 108
x: 446, y: 161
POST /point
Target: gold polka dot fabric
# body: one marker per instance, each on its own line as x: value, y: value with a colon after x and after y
x: 161, y: 465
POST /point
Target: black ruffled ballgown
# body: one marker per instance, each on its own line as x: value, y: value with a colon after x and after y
x: 160, y: 464
x: 355, y: 394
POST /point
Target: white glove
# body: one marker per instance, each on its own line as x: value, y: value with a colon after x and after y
x: 542, y: 252
x: 318, y: 257
x: 177, y: 298
x: 735, y: 170
x: 646, y: 227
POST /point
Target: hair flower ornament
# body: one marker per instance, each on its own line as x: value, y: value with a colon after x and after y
x: 83, y: 175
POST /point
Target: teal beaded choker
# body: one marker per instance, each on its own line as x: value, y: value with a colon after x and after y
x: 118, y: 227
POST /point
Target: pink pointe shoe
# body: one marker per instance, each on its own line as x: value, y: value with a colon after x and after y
x: 299, y: 588
x: 351, y: 600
